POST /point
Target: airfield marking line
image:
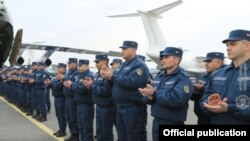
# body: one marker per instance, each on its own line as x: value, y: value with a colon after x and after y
x: 40, y: 125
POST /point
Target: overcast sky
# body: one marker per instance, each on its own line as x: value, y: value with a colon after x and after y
x: 197, y: 25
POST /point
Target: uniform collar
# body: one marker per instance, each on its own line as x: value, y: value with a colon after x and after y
x: 231, y: 65
x: 245, y: 65
x: 131, y: 60
x: 207, y: 74
x: 178, y: 69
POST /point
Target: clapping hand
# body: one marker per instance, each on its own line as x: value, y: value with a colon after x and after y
x: 87, y: 82
x: 106, y: 72
x: 215, y: 104
x: 148, y: 91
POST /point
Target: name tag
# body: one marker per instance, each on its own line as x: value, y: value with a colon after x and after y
x: 155, y: 82
x: 220, y: 78
x: 169, y: 82
x: 100, y: 79
x: 243, y: 78
x: 127, y: 68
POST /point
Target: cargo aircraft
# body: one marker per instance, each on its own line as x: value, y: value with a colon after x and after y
x: 193, y: 64
x: 156, y: 40
x: 8, y: 45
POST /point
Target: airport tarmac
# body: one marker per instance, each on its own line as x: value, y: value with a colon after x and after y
x: 16, y: 126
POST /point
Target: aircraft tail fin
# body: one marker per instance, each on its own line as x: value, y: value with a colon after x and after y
x: 16, y: 47
x: 125, y: 15
x: 149, y: 18
x: 162, y: 9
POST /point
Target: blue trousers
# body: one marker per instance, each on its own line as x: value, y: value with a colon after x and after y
x: 37, y: 99
x: 71, y: 115
x: 60, y: 112
x: 47, y: 97
x: 129, y: 120
x: 144, y: 125
x: 85, y: 118
x: 105, y: 117
x: 155, y: 127
x: 28, y: 101
x: 42, y: 102
x: 33, y: 98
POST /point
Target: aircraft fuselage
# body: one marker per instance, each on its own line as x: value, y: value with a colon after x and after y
x: 6, y: 36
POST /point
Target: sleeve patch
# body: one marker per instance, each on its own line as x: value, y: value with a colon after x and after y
x: 186, y: 89
x: 139, y: 72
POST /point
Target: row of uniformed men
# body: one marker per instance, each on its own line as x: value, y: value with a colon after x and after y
x: 222, y: 95
x: 79, y: 89
x: 29, y: 89
x: 225, y: 97
x: 17, y: 85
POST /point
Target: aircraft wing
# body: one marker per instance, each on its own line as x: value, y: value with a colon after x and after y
x: 59, y: 48
x: 200, y: 59
x: 115, y: 53
x: 51, y: 49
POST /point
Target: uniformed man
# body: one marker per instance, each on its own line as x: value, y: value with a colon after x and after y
x: 8, y: 85
x: 34, y: 96
x: 116, y: 63
x: 70, y: 104
x: 31, y: 81
x: 41, y: 76
x: 169, y: 101
x: 21, y: 92
x: 156, y: 81
x: 129, y: 102
x: 115, y: 66
x: 213, y: 61
x: 28, y: 86
x: 102, y: 97
x: 15, y: 85
x: 47, y: 95
x: 56, y: 85
x: 228, y: 96
x: 83, y: 98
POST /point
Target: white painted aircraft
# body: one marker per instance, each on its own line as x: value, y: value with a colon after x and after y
x: 193, y: 64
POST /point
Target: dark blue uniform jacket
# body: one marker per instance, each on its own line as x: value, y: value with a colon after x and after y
x: 71, y: 75
x: 82, y: 94
x: 234, y: 84
x: 172, y: 96
x: 126, y: 81
x: 57, y: 88
x: 102, y: 91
